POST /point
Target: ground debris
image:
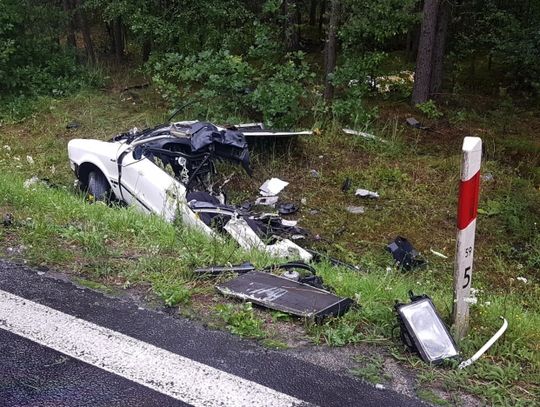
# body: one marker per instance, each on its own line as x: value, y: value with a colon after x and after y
x: 364, y: 193
x: 357, y: 210
x: 7, y: 219
x: 411, y: 121
x: 272, y: 187
x: 286, y: 295
x: 404, y: 254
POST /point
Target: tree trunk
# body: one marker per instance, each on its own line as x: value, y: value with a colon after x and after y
x: 85, y: 29
x: 424, y: 60
x: 322, y: 12
x: 330, y: 51
x: 146, y: 49
x: 118, y: 39
x: 312, y: 13
x: 70, y: 35
x: 440, y: 43
x: 292, y: 40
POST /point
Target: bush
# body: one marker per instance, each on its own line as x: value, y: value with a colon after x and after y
x: 279, y: 96
x: 225, y: 85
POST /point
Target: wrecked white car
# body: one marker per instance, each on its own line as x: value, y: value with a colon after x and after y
x: 168, y: 170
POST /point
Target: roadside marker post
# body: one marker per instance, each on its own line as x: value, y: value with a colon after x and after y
x: 469, y: 190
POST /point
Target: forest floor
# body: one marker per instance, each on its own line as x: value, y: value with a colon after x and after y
x: 416, y: 173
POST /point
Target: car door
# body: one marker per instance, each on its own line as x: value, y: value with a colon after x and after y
x: 146, y: 185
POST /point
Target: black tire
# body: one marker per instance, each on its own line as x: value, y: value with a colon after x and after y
x: 98, y: 186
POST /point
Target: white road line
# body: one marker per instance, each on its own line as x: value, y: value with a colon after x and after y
x: 166, y: 372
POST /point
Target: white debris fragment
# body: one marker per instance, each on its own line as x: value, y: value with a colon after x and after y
x: 488, y: 177
x: 443, y: 256
x: 359, y: 133
x: 7, y: 148
x: 364, y: 193
x: 290, y: 223
x: 471, y: 300
x: 363, y: 134
x: 380, y: 386
x: 272, y: 187
x: 267, y: 201
x: 31, y: 181
x: 29, y: 160
x: 522, y: 279
x: 357, y: 210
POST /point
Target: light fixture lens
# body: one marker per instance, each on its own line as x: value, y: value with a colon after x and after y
x: 428, y: 331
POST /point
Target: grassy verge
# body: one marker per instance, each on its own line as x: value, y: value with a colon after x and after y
x: 416, y: 175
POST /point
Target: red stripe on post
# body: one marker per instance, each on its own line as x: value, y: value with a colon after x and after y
x: 468, y: 201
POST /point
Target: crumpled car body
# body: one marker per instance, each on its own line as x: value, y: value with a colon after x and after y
x: 167, y: 170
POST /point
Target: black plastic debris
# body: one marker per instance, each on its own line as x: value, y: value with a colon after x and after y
x: 405, y: 254
x: 347, y: 184
x: 73, y: 125
x: 286, y: 295
x: 411, y: 121
x: 287, y: 208
x: 7, y: 220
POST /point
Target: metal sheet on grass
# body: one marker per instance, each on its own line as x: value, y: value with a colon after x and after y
x: 282, y: 294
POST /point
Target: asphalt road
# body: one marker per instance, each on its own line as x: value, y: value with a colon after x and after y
x: 35, y: 375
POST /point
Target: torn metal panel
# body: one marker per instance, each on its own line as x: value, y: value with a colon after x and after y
x: 216, y: 270
x: 247, y: 238
x: 283, y: 294
x: 258, y: 130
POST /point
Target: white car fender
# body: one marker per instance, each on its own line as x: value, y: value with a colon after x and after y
x: 99, y: 153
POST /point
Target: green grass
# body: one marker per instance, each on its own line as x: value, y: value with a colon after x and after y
x: 371, y: 369
x: 416, y: 175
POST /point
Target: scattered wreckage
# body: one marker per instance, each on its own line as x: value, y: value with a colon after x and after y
x: 168, y: 170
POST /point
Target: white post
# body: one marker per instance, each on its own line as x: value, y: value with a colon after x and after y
x: 469, y: 189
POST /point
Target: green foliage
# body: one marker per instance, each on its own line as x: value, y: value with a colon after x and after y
x: 371, y: 368
x: 217, y: 80
x: 504, y: 32
x: 368, y: 23
x: 241, y: 320
x: 224, y: 85
x: 352, y: 83
x: 279, y: 96
x: 32, y: 60
x: 171, y: 291
x: 430, y: 109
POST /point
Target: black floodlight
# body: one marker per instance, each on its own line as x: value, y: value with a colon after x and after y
x: 423, y: 331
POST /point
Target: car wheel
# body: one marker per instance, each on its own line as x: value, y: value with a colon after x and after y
x: 98, y: 186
